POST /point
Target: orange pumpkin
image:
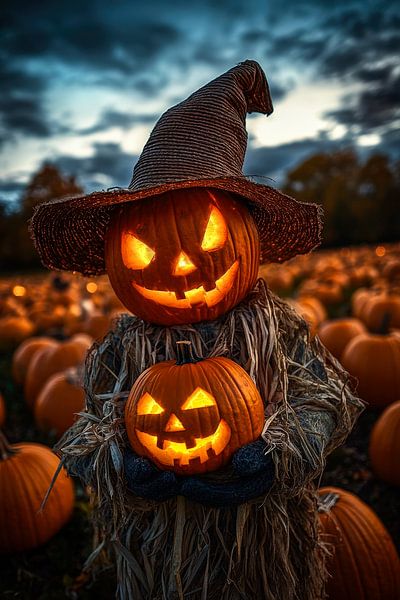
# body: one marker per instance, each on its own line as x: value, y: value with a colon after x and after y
x: 375, y: 361
x: 316, y: 306
x: 187, y: 256
x: 380, y: 307
x: 391, y: 270
x: 97, y: 325
x: 327, y: 291
x: 13, y: 330
x: 365, y: 563
x: 279, y: 280
x: 384, y: 446
x: 26, y: 471
x: 24, y: 354
x: 53, y: 359
x: 358, y: 299
x: 10, y: 307
x: 59, y: 400
x: 363, y: 275
x: 189, y: 416
x: 311, y: 310
x: 337, y: 333
x: 307, y: 313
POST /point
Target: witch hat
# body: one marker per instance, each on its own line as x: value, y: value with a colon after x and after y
x: 200, y: 142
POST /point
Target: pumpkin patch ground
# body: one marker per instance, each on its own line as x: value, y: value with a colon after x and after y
x: 55, y: 568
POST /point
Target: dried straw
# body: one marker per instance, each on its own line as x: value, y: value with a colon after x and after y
x: 267, y: 548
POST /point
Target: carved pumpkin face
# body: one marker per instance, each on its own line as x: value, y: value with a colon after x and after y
x: 191, y: 417
x: 185, y: 256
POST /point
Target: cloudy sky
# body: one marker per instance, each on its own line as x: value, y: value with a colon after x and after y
x: 83, y: 82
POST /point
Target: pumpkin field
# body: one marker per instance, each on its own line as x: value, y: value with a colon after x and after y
x: 350, y: 298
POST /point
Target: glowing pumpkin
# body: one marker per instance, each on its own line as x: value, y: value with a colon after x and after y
x: 189, y: 416
x: 183, y: 257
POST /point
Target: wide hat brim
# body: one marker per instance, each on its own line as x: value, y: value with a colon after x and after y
x: 69, y: 233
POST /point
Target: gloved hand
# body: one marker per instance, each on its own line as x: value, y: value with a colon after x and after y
x: 147, y: 481
x: 251, y: 458
x: 252, y: 476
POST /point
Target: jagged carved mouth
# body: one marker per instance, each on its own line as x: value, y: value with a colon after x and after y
x: 195, y: 296
x: 179, y: 455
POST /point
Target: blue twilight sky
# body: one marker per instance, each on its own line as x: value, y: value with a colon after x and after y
x: 83, y: 82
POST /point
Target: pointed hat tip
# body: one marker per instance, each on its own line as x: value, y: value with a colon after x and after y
x: 254, y: 84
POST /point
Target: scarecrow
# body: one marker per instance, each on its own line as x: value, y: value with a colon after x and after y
x: 210, y: 412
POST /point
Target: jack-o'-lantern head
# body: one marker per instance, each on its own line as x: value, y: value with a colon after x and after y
x: 190, y: 416
x: 184, y: 256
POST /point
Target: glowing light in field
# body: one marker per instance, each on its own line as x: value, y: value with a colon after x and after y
x: 380, y: 250
x: 91, y: 287
x: 19, y: 290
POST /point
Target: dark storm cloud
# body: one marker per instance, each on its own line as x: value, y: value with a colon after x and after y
x: 354, y: 45
x: 113, y: 118
x: 344, y: 44
x: 152, y: 48
x: 100, y: 37
x: 112, y: 44
x: 21, y: 107
x: 373, y: 107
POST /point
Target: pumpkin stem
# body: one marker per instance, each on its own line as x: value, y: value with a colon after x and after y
x: 6, y: 450
x: 185, y: 353
x: 327, y: 501
x: 384, y: 328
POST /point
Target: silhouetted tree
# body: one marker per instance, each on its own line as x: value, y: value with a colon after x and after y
x: 359, y: 200
x: 16, y: 247
x: 46, y: 184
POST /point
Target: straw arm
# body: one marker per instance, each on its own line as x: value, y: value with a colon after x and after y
x: 320, y: 420
x: 316, y: 416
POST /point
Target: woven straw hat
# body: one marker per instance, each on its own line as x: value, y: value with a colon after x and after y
x: 200, y: 142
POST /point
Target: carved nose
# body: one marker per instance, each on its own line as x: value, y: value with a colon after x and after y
x: 184, y: 265
x: 174, y: 424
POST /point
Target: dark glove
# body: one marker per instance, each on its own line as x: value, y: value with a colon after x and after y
x: 251, y: 459
x: 145, y: 480
x: 253, y: 475
x: 82, y: 467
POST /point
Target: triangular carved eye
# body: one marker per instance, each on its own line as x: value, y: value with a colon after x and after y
x: 148, y: 406
x: 184, y: 265
x: 135, y: 253
x: 216, y: 232
x: 198, y: 399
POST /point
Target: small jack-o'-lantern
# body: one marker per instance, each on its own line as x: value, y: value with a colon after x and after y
x: 189, y: 416
x: 182, y: 257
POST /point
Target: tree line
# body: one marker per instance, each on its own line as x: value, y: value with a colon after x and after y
x: 360, y: 201
x: 360, y: 198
